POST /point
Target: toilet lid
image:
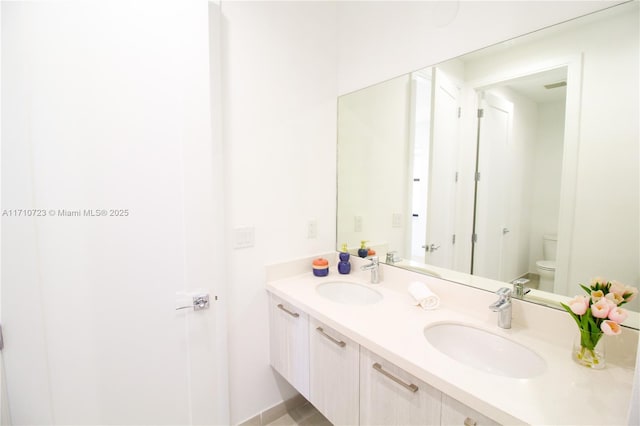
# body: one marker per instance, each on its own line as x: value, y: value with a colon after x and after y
x: 549, y: 265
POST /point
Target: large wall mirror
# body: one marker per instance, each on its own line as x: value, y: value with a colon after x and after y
x: 518, y: 161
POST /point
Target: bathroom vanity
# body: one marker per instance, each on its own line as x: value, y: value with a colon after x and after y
x: 360, y: 353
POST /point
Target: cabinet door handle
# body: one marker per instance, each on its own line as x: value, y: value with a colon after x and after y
x: 293, y: 314
x: 334, y: 340
x: 409, y: 386
x: 469, y: 422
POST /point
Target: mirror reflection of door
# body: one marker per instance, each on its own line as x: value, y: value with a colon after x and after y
x: 491, y: 224
x: 420, y: 129
x: 519, y: 168
x: 436, y: 131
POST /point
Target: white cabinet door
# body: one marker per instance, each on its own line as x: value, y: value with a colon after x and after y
x: 391, y: 396
x: 289, y: 343
x: 455, y: 413
x: 334, y: 374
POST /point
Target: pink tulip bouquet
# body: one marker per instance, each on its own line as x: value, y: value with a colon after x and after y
x: 598, y: 313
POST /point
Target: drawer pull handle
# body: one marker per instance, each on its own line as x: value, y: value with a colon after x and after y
x: 293, y: 314
x: 410, y: 386
x: 336, y: 341
x: 469, y: 422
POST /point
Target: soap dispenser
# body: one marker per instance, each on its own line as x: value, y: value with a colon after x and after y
x: 344, y: 266
x: 363, y: 251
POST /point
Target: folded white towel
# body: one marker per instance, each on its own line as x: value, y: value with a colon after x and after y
x: 423, y: 295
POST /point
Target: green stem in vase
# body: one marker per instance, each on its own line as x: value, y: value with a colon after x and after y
x: 589, y: 339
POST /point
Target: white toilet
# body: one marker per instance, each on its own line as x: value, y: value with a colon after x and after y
x: 547, y: 266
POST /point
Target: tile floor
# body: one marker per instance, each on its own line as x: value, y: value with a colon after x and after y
x: 534, y: 280
x: 304, y: 415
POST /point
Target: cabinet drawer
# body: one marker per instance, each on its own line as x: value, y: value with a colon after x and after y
x: 391, y: 396
x: 289, y: 343
x: 334, y: 376
x: 455, y: 413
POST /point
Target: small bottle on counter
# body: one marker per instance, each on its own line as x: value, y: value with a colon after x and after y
x: 344, y: 266
x: 363, y: 251
x: 320, y: 267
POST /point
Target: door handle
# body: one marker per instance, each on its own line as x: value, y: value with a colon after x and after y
x: 198, y: 302
x: 432, y: 247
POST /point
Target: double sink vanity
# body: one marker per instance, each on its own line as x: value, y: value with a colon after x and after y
x: 364, y: 353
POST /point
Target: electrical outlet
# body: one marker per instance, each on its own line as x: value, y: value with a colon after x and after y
x: 312, y: 229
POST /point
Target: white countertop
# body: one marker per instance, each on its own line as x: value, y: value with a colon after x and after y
x: 566, y: 393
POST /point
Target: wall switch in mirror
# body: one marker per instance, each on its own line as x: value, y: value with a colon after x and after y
x: 357, y: 223
x: 396, y: 220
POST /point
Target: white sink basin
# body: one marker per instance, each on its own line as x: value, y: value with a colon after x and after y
x: 485, y: 351
x: 348, y: 293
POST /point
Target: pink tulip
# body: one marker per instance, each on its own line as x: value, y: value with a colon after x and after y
x: 596, y: 295
x: 598, y: 280
x: 614, y: 298
x: 610, y: 328
x: 579, y: 305
x: 617, y: 315
x: 617, y: 288
x: 630, y: 293
x: 601, y: 308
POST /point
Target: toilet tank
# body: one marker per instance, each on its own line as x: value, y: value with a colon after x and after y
x: 549, y: 246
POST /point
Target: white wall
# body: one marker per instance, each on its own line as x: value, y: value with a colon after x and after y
x: 374, y: 166
x: 547, y: 175
x: 279, y: 79
x: 609, y: 182
x: 382, y: 40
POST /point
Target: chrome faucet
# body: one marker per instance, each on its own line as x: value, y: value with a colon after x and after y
x: 503, y: 307
x: 519, y: 290
x: 392, y: 257
x: 374, y: 266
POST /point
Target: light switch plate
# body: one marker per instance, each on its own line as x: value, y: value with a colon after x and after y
x: 312, y: 229
x: 243, y: 237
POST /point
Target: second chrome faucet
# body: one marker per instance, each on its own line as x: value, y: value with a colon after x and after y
x: 374, y: 267
x: 503, y: 307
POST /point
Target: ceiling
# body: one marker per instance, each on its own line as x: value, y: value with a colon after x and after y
x: 532, y: 86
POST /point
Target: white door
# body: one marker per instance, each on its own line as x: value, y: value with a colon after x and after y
x: 442, y: 171
x: 109, y: 192
x: 420, y: 137
x: 492, y: 194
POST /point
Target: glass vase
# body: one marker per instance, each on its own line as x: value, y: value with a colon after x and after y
x: 589, y: 349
